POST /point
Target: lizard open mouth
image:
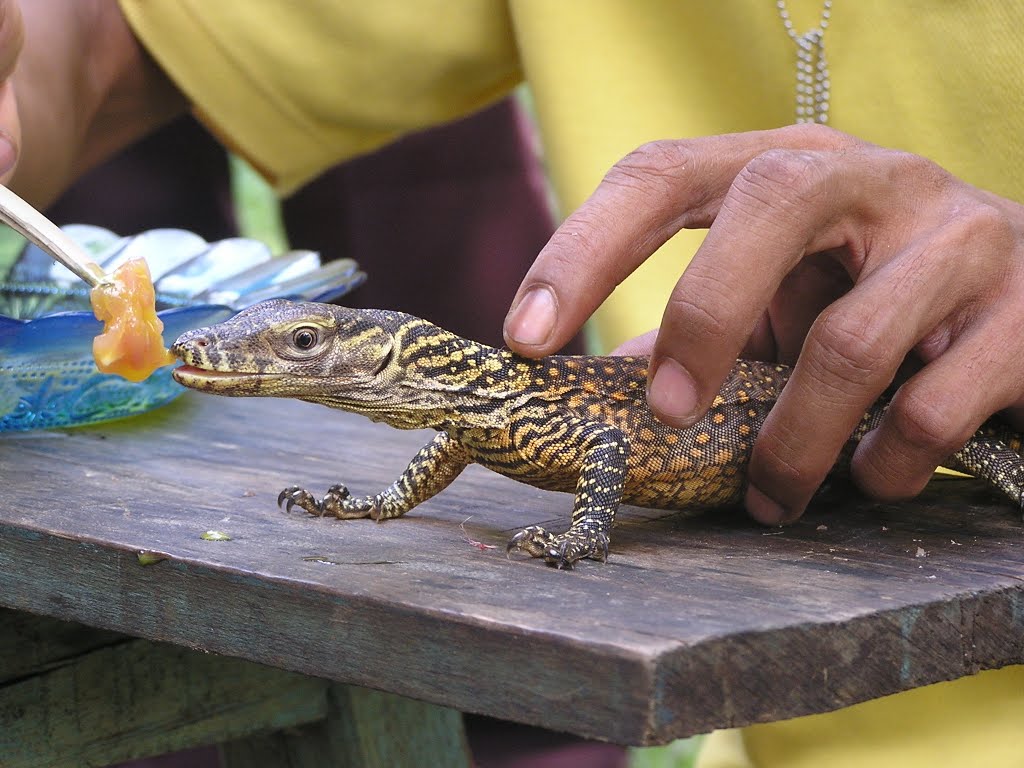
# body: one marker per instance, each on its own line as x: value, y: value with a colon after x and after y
x: 191, y: 370
x: 205, y: 378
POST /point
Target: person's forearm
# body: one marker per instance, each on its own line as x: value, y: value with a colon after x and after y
x: 85, y: 88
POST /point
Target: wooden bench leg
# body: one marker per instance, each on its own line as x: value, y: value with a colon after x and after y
x: 363, y: 729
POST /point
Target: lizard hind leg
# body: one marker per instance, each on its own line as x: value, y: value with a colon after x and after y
x: 598, y: 494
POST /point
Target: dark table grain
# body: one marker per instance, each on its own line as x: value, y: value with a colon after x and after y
x: 694, y: 623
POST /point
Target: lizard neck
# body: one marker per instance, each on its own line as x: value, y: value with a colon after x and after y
x: 436, y: 379
x: 450, y: 381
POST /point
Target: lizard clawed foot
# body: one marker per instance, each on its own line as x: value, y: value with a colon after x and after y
x: 335, y: 503
x: 560, y: 550
x: 300, y: 497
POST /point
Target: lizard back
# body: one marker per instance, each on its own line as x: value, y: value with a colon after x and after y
x: 701, y: 466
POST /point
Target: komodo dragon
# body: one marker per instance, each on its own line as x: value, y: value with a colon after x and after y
x: 575, y: 424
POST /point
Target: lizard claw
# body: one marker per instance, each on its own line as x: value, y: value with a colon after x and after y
x: 339, y: 491
x: 575, y: 545
x: 557, y: 557
x: 533, y: 540
x: 516, y: 542
x: 286, y: 494
x: 561, y: 550
x: 296, y: 496
x: 570, y: 550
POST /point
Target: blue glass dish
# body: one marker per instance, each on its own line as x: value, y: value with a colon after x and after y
x: 47, y: 375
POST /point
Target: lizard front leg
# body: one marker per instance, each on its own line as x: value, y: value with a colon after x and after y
x: 604, y: 452
x: 431, y: 470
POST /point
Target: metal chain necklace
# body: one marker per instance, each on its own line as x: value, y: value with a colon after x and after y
x: 812, y: 78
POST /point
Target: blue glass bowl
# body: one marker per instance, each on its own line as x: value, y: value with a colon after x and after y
x: 47, y: 374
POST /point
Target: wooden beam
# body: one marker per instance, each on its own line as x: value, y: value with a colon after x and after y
x: 136, y: 698
x: 364, y: 729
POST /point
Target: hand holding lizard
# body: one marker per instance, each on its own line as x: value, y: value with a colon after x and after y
x: 824, y: 251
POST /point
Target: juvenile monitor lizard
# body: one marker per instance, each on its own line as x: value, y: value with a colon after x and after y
x: 575, y: 424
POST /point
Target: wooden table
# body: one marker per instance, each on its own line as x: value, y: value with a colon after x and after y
x: 693, y: 624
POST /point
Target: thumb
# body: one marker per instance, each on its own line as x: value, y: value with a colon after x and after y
x: 12, y: 37
x: 10, y: 132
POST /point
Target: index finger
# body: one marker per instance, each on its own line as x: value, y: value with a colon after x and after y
x: 781, y: 206
x: 647, y: 197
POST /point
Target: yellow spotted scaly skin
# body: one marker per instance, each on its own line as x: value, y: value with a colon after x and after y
x: 575, y: 424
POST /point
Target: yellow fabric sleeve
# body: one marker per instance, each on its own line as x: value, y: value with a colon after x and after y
x: 296, y: 87
x: 967, y: 722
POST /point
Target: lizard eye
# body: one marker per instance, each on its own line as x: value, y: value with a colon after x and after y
x: 304, y: 338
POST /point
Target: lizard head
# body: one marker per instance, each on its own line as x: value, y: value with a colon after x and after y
x: 283, y: 348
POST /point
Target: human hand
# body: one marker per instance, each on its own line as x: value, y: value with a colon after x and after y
x: 76, y: 86
x: 825, y: 251
x: 12, y: 35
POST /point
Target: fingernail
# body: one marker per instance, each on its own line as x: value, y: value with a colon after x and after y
x: 765, y: 510
x: 672, y: 393
x: 533, y: 319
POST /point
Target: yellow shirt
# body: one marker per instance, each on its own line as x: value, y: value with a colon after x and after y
x: 296, y: 87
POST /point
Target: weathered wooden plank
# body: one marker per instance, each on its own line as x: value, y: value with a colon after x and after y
x: 432, y: 655
x: 138, y: 698
x: 693, y: 623
x: 363, y: 729
x: 31, y: 644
